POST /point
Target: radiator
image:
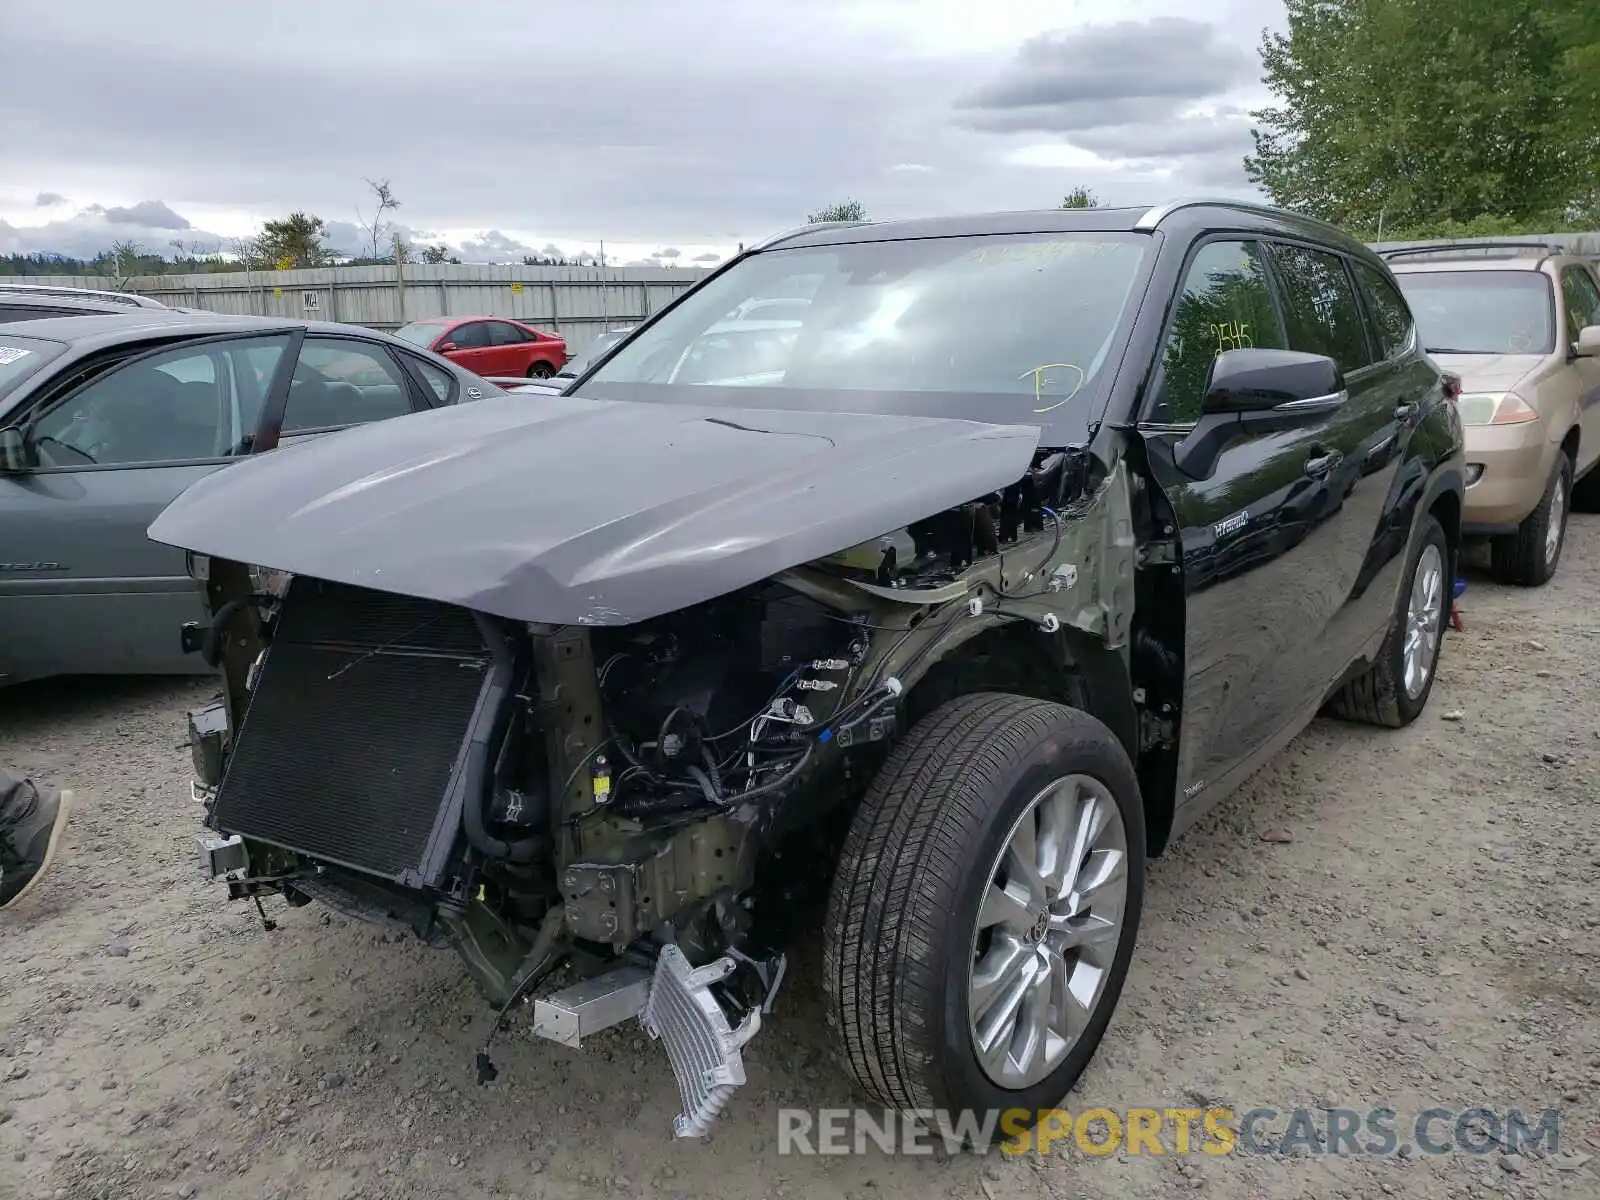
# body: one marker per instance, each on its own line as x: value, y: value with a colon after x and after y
x: 355, y: 735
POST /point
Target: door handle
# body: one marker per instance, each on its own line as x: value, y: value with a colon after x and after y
x: 1318, y: 465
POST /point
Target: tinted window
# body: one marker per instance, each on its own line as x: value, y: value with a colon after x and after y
x: 438, y: 379
x: 194, y: 402
x: 502, y: 334
x: 1481, y: 312
x: 1391, y: 319
x: 1319, y: 306
x: 1583, y: 300
x: 343, y: 382
x: 1002, y: 328
x: 1225, y: 304
x: 474, y: 335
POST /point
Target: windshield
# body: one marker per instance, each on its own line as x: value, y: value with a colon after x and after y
x: 420, y: 333
x: 1482, y: 312
x: 20, y: 357
x: 585, y: 359
x: 1011, y: 328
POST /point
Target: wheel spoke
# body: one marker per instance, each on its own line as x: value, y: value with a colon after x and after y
x: 1092, y: 819
x: 997, y: 975
x: 1022, y: 861
x: 1028, y: 1044
x: 1057, y: 831
x: 998, y: 1026
x: 1007, y: 906
x: 1102, y: 868
x: 1085, y: 934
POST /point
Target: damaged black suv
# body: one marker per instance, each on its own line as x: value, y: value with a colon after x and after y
x: 956, y: 593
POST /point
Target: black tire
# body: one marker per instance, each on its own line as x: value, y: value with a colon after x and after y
x: 1379, y: 697
x: 1523, y: 557
x: 1586, y: 492
x: 541, y: 370
x: 914, y: 869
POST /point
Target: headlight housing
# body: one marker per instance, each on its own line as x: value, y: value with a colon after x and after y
x: 1494, y: 408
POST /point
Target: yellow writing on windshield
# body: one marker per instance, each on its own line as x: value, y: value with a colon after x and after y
x: 1049, y: 377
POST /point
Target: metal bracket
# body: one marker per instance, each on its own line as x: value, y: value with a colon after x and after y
x: 590, y: 1005
x: 704, y: 1048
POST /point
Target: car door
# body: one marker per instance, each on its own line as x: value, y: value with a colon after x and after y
x: 342, y: 381
x: 1583, y: 309
x: 1393, y: 397
x: 511, y: 348
x: 106, y: 457
x: 1251, y: 532
x: 1364, y: 437
x: 472, y: 348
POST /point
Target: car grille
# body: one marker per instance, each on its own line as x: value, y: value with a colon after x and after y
x: 355, y: 732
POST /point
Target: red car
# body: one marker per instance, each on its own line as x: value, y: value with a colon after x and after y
x: 490, y: 346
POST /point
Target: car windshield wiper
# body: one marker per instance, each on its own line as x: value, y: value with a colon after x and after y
x: 1456, y: 350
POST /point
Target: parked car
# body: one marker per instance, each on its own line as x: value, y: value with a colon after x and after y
x: 104, y: 419
x: 1044, y: 532
x: 490, y: 346
x: 574, y: 368
x: 26, y: 302
x: 1520, y: 324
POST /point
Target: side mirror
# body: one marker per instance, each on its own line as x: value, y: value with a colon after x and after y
x: 1588, y: 343
x: 13, y: 451
x: 446, y: 347
x: 1259, y: 388
x: 1248, y: 381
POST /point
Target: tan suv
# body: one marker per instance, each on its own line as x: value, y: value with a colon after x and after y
x: 1520, y: 324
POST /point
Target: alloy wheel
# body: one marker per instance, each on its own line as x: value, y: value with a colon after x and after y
x: 1556, y: 520
x: 1047, y: 931
x: 1424, y: 614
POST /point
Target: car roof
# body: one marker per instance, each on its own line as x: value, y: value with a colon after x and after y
x: 120, y: 301
x: 1178, y: 216
x: 110, y: 329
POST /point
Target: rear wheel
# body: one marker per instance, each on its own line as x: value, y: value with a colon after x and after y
x: 1394, y: 690
x: 541, y: 370
x: 1529, y: 556
x: 985, y: 907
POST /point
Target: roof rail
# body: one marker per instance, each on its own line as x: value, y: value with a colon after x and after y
x: 47, y: 289
x: 768, y: 242
x: 1153, y: 217
x: 1447, y: 246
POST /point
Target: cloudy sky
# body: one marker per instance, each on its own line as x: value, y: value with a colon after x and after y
x: 677, y: 128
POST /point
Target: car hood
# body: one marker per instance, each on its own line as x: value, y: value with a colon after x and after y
x: 1489, y: 372
x: 577, y: 510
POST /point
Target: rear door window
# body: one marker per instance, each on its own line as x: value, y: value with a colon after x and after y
x: 1391, y: 318
x: 1319, y: 305
x: 341, y: 381
x: 503, y: 334
x: 472, y: 336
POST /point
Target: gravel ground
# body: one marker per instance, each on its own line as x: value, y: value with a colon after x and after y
x: 1416, y: 928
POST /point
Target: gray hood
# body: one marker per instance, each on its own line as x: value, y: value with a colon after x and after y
x: 568, y: 510
x: 1489, y: 372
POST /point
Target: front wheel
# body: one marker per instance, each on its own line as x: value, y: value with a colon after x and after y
x: 1529, y: 556
x: 985, y: 907
x: 541, y: 370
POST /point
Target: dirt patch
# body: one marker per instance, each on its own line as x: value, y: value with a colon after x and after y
x: 1418, y: 928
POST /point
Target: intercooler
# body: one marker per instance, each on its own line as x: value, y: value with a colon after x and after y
x: 365, y: 731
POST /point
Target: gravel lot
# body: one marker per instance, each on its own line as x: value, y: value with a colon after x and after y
x: 1417, y: 928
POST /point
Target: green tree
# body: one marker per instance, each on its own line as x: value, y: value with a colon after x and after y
x: 1418, y: 114
x: 1080, y: 197
x: 845, y: 210
x: 297, y: 240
